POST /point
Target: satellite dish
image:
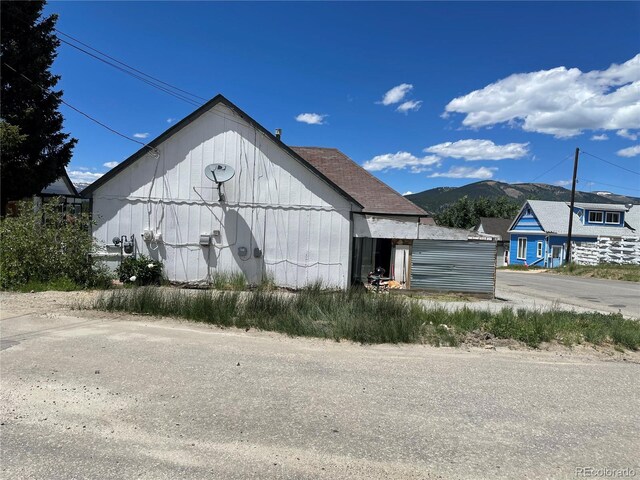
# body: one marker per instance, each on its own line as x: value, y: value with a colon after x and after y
x: 219, y: 172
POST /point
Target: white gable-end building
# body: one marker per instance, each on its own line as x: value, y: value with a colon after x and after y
x: 278, y: 217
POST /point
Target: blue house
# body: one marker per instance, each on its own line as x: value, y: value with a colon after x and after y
x: 539, y: 232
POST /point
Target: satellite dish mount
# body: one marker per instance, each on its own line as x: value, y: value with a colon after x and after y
x: 219, y: 173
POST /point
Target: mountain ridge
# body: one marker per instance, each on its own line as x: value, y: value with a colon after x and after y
x: 434, y: 200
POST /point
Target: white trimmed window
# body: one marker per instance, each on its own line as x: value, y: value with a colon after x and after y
x: 522, y: 249
x: 612, y: 217
x: 539, y: 250
x: 595, y: 217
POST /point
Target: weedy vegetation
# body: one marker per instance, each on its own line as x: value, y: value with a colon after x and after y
x: 367, y: 318
x: 48, y: 248
x: 229, y: 281
x: 610, y: 271
x: 520, y: 267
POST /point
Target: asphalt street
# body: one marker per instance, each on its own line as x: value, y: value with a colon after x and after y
x: 593, y: 293
x: 86, y: 395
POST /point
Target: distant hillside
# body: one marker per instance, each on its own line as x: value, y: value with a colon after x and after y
x: 436, y: 199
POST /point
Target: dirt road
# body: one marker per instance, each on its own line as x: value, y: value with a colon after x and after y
x: 87, y: 395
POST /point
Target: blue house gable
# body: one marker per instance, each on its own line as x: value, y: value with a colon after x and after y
x: 539, y: 232
x: 528, y: 239
x: 527, y: 221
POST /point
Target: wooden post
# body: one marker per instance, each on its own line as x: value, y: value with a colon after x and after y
x: 573, y: 199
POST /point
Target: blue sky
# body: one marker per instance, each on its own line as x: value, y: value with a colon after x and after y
x: 421, y: 94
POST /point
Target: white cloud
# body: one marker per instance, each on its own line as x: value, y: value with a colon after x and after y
x: 110, y: 164
x: 630, y: 151
x: 562, y: 183
x: 560, y: 101
x: 311, y: 118
x: 396, y: 94
x: 624, y: 133
x: 82, y: 176
x: 401, y: 161
x: 471, y: 149
x: 409, y: 105
x: 408, y: 192
x: 170, y: 120
x: 600, y: 138
x: 141, y: 135
x: 466, y: 172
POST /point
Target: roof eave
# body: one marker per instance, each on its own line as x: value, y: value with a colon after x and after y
x: 418, y: 215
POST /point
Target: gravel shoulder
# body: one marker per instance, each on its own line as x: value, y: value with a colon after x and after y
x: 90, y: 395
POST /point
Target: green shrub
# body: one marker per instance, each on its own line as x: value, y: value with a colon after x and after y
x: 140, y: 270
x: 43, y: 245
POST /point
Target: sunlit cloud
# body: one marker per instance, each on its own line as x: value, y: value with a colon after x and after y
x: 560, y: 101
x: 401, y: 161
x: 466, y: 172
x: 471, y: 150
x: 311, y: 118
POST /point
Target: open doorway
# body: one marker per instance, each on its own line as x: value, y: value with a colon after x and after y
x: 368, y: 254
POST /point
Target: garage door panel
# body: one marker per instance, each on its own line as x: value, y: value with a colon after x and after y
x: 454, y: 266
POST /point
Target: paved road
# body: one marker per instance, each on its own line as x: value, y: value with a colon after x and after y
x: 603, y: 295
x: 133, y: 397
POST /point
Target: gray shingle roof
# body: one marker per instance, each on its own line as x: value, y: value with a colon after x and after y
x: 601, y: 206
x: 61, y: 186
x: 554, y: 218
x: 495, y: 226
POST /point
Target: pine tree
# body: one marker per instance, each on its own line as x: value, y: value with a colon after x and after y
x: 35, y: 150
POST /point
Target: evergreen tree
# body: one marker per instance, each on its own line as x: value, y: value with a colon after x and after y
x: 35, y: 151
x: 466, y: 213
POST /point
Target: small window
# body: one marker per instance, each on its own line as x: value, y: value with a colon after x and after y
x: 522, y: 249
x: 539, y: 250
x: 595, y: 217
x: 613, y: 217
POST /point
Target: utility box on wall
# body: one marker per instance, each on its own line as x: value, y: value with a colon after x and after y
x: 205, y: 240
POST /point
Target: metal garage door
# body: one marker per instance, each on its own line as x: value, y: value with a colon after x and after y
x: 454, y: 266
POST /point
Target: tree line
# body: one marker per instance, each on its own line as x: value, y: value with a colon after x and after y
x: 466, y: 212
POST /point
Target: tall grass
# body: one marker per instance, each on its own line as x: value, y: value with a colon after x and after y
x: 229, y: 281
x: 367, y: 318
x: 610, y: 271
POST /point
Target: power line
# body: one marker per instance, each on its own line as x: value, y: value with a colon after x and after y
x: 610, y: 185
x: 611, y: 163
x: 134, y: 75
x: 78, y: 110
x: 138, y: 77
x: 553, y: 168
x: 149, y: 80
x: 152, y: 84
x: 127, y: 66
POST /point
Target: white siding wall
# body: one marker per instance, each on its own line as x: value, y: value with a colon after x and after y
x: 273, y: 203
x: 374, y: 226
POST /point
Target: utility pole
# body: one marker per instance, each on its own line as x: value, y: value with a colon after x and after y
x: 573, y: 199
